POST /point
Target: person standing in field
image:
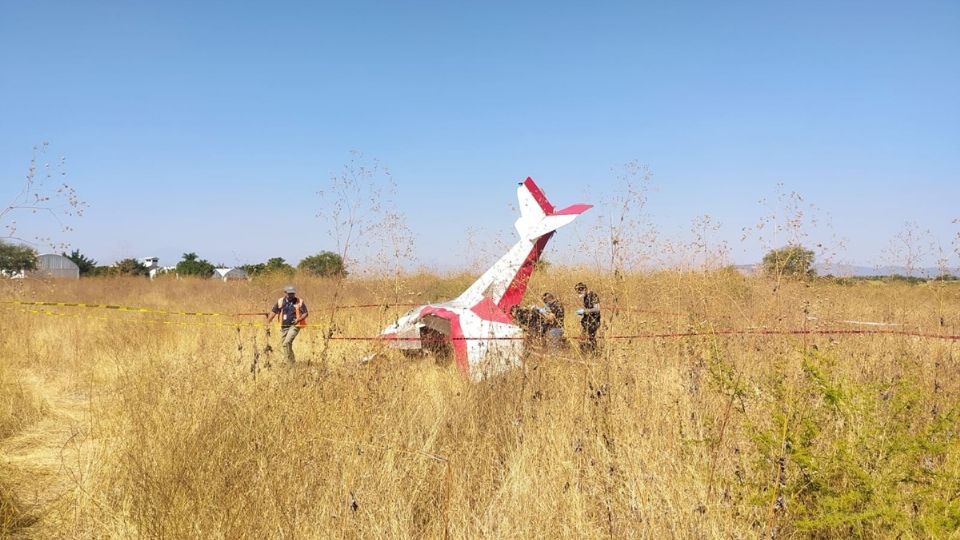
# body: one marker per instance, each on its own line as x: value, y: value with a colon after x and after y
x: 552, y: 320
x: 293, y: 316
x: 589, y: 317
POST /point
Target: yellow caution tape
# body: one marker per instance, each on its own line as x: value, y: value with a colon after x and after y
x: 115, y: 307
x: 185, y: 323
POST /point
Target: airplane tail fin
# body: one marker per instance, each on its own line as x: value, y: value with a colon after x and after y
x: 506, y: 281
x: 537, y: 216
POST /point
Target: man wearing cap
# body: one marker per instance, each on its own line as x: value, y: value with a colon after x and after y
x: 589, y: 317
x: 293, y: 317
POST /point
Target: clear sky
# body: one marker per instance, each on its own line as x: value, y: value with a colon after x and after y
x: 210, y: 126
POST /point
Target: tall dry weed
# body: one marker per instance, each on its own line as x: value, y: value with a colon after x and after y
x: 709, y: 436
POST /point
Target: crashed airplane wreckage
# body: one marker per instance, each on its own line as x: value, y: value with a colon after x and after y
x: 484, y: 339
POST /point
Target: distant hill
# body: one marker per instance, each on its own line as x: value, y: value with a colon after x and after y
x: 871, y: 271
x: 855, y: 270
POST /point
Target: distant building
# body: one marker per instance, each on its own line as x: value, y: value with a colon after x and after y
x: 749, y: 269
x: 229, y: 274
x: 152, y: 264
x: 55, y: 266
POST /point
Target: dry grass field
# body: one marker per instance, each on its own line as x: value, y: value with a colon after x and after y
x: 120, y: 424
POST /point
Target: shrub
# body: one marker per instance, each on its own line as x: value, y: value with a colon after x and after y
x: 192, y: 265
x: 790, y: 261
x: 14, y: 258
x: 324, y: 264
x: 131, y: 267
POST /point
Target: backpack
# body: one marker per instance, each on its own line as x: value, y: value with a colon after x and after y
x: 296, y: 311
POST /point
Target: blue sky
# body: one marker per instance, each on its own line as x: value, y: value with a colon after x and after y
x: 210, y: 126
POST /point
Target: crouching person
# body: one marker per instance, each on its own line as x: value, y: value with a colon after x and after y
x: 529, y: 319
x: 552, y: 320
x: 293, y: 316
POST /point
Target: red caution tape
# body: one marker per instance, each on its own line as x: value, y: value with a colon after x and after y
x: 714, y: 333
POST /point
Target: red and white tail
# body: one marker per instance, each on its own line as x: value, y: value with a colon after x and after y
x: 537, y: 215
x: 506, y: 281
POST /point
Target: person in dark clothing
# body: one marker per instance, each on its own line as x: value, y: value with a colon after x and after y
x: 552, y: 316
x: 530, y: 320
x: 589, y: 317
x: 293, y: 316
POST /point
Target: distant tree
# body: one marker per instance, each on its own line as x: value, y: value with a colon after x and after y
x: 324, y: 264
x: 87, y: 265
x: 277, y: 265
x: 14, y: 258
x: 253, y: 269
x: 130, y: 267
x: 791, y: 261
x: 192, y: 265
x: 101, y: 271
x: 542, y: 265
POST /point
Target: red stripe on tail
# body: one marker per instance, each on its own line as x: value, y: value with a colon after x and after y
x: 538, y: 196
x: 514, y: 292
x: 575, y: 209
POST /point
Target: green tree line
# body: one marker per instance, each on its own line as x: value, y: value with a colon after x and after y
x: 15, y: 258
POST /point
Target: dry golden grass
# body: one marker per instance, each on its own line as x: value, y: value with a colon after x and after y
x: 124, y: 426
